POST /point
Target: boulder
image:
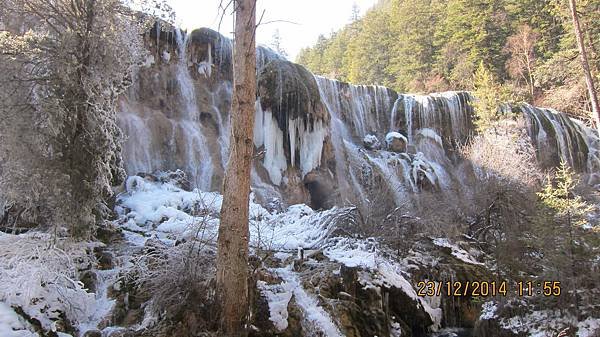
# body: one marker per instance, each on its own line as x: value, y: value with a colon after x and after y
x: 92, y: 333
x: 371, y: 142
x: 177, y: 178
x: 396, y: 142
x: 89, y: 280
x: 290, y: 91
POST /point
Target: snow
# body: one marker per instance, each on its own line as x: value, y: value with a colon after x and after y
x: 541, y: 323
x: 391, y: 275
x: 314, y: 313
x: 282, y: 256
x: 395, y: 329
x: 103, y: 305
x: 149, y: 61
x: 40, y: 274
x: 389, y: 138
x: 148, y: 203
x: 11, y: 325
x: 161, y: 210
x: 301, y: 226
x: 588, y: 328
x: 371, y: 142
x: 352, y: 253
x: 457, y: 252
x: 166, y: 56
x: 488, y: 311
x: 278, y: 297
x: 431, y: 134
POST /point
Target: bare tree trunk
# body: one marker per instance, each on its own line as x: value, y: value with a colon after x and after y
x: 232, y: 257
x: 586, y: 66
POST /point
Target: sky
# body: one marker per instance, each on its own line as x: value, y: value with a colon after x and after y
x: 300, y: 22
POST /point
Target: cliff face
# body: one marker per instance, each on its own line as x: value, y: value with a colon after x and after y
x: 318, y: 141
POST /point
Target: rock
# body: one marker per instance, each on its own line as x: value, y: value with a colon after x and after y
x: 105, y: 258
x: 275, y: 205
x: 396, y: 142
x: 89, y: 280
x: 411, y: 149
x: 594, y: 180
x: 147, y: 176
x: 295, y: 318
x: 371, y: 142
x: 92, y: 333
x: 294, y: 188
x: 298, y: 87
x: 177, y: 178
x: 121, y: 333
x: 321, y: 188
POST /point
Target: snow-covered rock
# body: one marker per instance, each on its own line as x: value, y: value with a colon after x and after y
x: 166, y: 56
x: 371, y: 142
x: 396, y: 142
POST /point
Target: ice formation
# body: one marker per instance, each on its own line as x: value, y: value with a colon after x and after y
x: 357, y: 115
x: 307, y: 142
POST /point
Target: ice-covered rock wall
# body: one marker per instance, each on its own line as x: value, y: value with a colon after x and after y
x: 176, y: 114
x: 415, y: 157
x: 318, y: 141
x: 560, y: 138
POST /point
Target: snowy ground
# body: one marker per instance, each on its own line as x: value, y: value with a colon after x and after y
x: 39, y: 275
x: 541, y: 323
x: 161, y: 210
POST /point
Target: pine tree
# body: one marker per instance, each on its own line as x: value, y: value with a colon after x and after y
x: 415, y: 23
x: 490, y: 96
x: 476, y: 31
x: 569, y: 210
x: 370, y: 50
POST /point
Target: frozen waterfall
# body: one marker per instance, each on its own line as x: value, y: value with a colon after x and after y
x: 310, y: 129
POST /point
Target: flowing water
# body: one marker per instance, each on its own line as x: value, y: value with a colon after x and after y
x: 434, y: 125
x: 199, y: 159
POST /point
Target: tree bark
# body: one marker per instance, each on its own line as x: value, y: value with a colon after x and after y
x: 232, y: 255
x: 586, y: 66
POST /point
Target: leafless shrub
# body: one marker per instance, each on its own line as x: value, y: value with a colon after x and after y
x: 504, y: 153
x: 180, y: 278
x: 492, y: 202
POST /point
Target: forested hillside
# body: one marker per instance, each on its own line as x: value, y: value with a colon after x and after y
x: 435, y: 45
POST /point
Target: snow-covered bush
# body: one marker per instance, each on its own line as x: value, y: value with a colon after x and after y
x: 59, y: 142
x: 40, y: 275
